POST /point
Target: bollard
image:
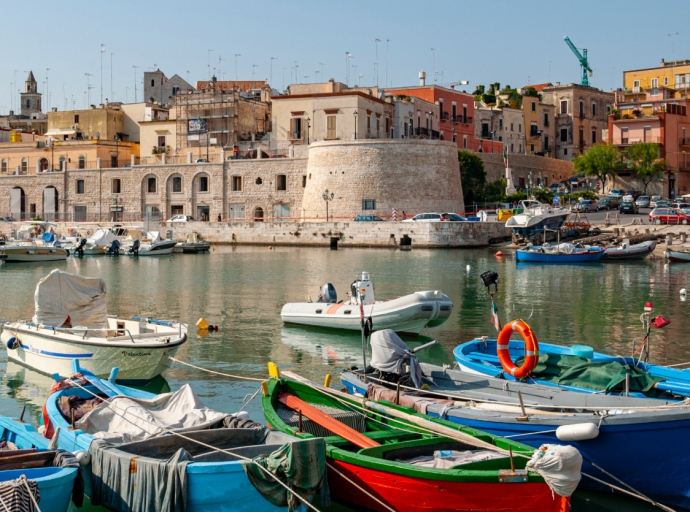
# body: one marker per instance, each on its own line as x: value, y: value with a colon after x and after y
x: 682, y: 238
x: 668, y: 240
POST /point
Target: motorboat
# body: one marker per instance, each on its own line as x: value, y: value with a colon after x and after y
x: 409, y: 314
x: 150, y: 244
x: 182, y: 452
x: 100, y: 242
x: 559, y: 253
x: 34, y: 242
x: 535, y: 217
x: 677, y: 255
x: 628, y: 251
x: 71, y: 322
x: 193, y: 245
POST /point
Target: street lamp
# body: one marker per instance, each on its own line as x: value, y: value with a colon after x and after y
x: 327, y: 197
x: 308, y: 125
x: 431, y: 126
x: 117, y: 151
x: 355, y: 114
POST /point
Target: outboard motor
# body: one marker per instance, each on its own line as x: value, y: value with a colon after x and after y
x: 327, y: 294
x: 114, y: 248
x: 80, y: 248
x: 135, y: 247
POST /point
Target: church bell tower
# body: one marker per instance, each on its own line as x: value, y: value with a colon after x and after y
x: 30, y: 98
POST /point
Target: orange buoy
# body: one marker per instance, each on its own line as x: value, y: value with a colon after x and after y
x: 531, y: 349
x: 499, y: 254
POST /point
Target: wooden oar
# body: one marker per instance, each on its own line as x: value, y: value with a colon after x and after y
x: 327, y: 421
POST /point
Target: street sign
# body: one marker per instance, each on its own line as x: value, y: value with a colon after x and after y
x: 556, y: 200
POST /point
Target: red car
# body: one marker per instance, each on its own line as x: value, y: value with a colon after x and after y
x: 668, y: 216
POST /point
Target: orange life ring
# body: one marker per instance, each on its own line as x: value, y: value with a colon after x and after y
x: 531, y: 349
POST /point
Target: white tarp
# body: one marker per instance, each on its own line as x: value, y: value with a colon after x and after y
x: 61, y: 294
x: 126, y: 419
x: 559, y: 465
x: 388, y: 353
x: 101, y: 237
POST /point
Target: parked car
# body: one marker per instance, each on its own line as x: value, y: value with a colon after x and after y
x: 662, y: 204
x: 653, y: 200
x: 628, y: 207
x: 127, y: 166
x: 368, y: 218
x: 634, y: 193
x: 278, y: 156
x: 606, y: 204
x: 239, y: 157
x: 201, y: 161
x: 616, y: 192
x: 679, y: 205
x: 668, y: 216
x: 436, y: 217
x: 554, y: 187
x: 587, y: 205
x: 642, y: 202
x: 181, y: 218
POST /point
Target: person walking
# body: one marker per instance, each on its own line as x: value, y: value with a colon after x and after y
x: 404, y: 215
x: 219, y: 218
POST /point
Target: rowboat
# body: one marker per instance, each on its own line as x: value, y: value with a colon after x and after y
x: 626, y: 251
x: 408, y: 315
x: 26, y: 453
x: 378, y: 462
x: 198, y: 466
x: 560, y: 253
x: 71, y: 322
x: 679, y: 256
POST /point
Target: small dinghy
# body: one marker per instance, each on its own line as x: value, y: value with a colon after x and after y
x: 71, y: 322
x: 560, y: 253
x: 628, y: 251
x: 407, y: 315
x: 145, y: 452
x: 52, y: 476
x: 678, y: 256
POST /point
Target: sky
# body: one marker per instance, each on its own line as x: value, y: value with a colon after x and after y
x: 503, y: 41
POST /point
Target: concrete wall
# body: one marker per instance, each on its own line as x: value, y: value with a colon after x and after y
x: 551, y: 169
x: 107, y: 122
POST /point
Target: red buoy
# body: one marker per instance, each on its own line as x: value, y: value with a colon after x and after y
x: 499, y: 254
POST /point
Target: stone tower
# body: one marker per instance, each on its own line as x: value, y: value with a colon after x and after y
x: 30, y: 98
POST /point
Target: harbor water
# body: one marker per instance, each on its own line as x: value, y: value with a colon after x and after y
x: 242, y: 289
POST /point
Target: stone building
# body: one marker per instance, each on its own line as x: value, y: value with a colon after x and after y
x: 580, y: 118
x: 104, y: 122
x: 162, y: 90
x: 411, y: 117
x: 30, y: 98
x: 540, y: 126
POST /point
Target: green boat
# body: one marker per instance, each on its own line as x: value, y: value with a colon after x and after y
x: 378, y: 460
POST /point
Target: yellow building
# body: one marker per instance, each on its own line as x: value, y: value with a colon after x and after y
x: 102, y: 123
x: 673, y: 75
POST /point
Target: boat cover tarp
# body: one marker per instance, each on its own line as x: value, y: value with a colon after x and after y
x: 101, y: 237
x: 418, y: 403
x: 447, y: 459
x: 15, y: 495
x: 60, y: 295
x: 128, y: 419
x: 580, y: 372
x: 141, y: 484
x: 559, y: 465
x: 390, y: 354
x: 299, y: 465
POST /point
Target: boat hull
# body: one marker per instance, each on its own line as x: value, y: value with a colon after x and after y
x: 543, y: 257
x: 677, y: 256
x: 633, y: 252
x: 527, y: 226
x: 28, y: 254
x: 157, y: 249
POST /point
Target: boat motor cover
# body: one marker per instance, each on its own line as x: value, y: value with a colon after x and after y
x: 60, y: 295
x: 328, y: 294
x: 128, y: 419
x: 388, y: 354
x: 559, y: 466
x: 102, y: 237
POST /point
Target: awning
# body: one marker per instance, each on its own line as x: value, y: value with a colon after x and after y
x: 56, y: 132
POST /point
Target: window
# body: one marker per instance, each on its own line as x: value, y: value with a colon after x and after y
x: 152, y: 82
x: 281, y: 182
x: 511, y: 147
x: 565, y: 152
x: 454, y: 112
x: 582, y: 137
x: 534, y: 106
x: 655, y: 83
x: 564, y: 106
x: 259, y: 181
x: 511, y: 127
x: 151, y: 185
x: 281, y: 212
x: 161, y: 141
x: 237, y: 183
x: 378, y: 126
x: 464, y: 141
x: 80, y: 213
x: 500, y: 124
x: 63, y: 163
x: 330, y: 127
x: 546, y: 143
x: 546, y: 119
x: 368, y: 204
x: 4, y: 165
x: 665, y: 80
x: 454, y: 137
x: 388, y: 127
x: 175, y: 90
x: 520, y: 148
x: 296, y: 128
x: 236, y: 210
x: 304, y: 181
x: 533, y: 129
x: 368, y: 125
x: 25, y: 165
x: 203, y: 183
x: 636, y: 84
x: 464, y: 114
x: 531, y: 148
x: 485, y: 130
x: 520, y: 127
x: 594, y: 109
x: 113, y: 161
x: 116, y: 186
x: 177, y: 184
x: 582, y: 109
x: 80, y: 186
x: 594, y: 135
x: 82, y: 162
x: 564, y: 135
x: 440, y: 108
x: 76, y: 118
x: 207, y: 113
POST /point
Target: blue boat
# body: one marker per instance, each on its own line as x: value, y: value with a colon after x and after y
x: 561, y: 253
x: 27, y: 453
x: 205, y: 465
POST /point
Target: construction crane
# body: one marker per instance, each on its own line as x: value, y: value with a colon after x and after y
x: 582, y: 57
x: 461, y: 82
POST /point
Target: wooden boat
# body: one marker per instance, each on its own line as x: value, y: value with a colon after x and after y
x: 678, y: 256
x: 26, y: 453
x: 369, y: 457
x: 560, y: 253
x: 625, y: 251
x: 214, y: 478
x: 408, y: 315
x: 71, y: 321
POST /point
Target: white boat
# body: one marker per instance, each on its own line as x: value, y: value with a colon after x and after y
x: 681, y: 255
x: 33, y: 243
x: 408, y: 315
x: 71, y: 322
x: 535, y: 217
x: 100, y: 241
x: 150, y: 245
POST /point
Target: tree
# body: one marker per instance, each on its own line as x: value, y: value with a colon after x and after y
x: 473, y: 176
x: 601, y: 161
x: 646, y: 162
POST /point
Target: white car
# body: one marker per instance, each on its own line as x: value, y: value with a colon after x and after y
x: 653, y: 201
x: 181, y: 218
x: 436, y: 217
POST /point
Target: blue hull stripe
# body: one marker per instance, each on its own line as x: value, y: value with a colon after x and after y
x: 56, y: 354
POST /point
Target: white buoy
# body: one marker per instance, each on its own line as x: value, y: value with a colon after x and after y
x: 577, y: 432
x: 683, y: 291
x: 468, y: 268
x: 83, y: 457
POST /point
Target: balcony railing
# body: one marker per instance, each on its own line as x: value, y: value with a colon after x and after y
x: 462, y: 120
x: 684, y: 141
x: 626, y: 141
x: 581, y: 115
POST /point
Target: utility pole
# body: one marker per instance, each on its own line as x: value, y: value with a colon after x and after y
x: 271, y: 79
x: 47, y: 91
x: 135, y: 83
x: 236, y: 55
x: 253, y: 72
x: 433, y: 56
x: 88, y: 89
x: 376, y: 67
x: 112, y: 93
x: 209, y: 64
x: 387, y: 41
x: 283, y: 88
x: 102, y: 51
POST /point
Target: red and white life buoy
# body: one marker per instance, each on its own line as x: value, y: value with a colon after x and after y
x: 531, y: 349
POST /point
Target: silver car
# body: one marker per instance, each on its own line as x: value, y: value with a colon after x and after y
x: 587, y: 205
x: 643, y: 202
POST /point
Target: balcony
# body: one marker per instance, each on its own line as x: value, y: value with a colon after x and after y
x: 684, y: 141
x: 444, y: 116
x: 462, y: 120
x: 581, y: 115
x: 626, y: 141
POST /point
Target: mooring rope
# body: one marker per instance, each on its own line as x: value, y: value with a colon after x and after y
x: 240, y: 377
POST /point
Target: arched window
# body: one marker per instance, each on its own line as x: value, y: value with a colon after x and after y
x: 63, y: 163
x: 4, y: 166
x: 152, y: 82
x: 25, y: 165
x: 259, y: 214
x: 82, y: 162
x: 151, y: 185
x: 177, y: 184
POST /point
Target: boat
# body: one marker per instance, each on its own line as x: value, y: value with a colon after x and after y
x: 100, y: 242
x: 628, y: 251
x: 601, y: 427
x: 199, y: 462
x: 25, y: 452
x: 536, y: 216
x: 678, y: 255
x: 193, y: 245
x: 151, y: 244
x: 71, y: 322
x: 34, y: 243
x: 377, y: 460
x: 408, y: 315
x: 560, y: 253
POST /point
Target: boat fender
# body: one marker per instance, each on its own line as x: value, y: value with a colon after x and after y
x: 243, y: 415
x: 13, y: 343
x: 531, y: 349
x: 83, y: 457
x: 577, y: 432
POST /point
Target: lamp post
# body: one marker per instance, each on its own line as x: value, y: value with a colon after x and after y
x: 326, y: 196
x: 431, y: 126
x: 355, y: 114
x: 308, y: 125
x: 117, y: 151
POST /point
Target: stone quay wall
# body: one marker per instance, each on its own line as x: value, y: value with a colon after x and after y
x: 551, y: 169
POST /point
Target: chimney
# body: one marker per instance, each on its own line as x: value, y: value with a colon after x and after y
x: 422, y: 78
x: 54, y: 109
x: 558, y: 83
x: 663, y: 63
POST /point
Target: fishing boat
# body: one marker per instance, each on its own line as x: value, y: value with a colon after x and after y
x: 628, y: 251
x: 193, y: 245
x: 199, y: 465
x: 71, y: 322
x: 677, y: 255
x: 150, y: 244
x: 24, y: 452
x: 602, y: 427
x: 34, y: 243
x: 391, y: 458
x: 535, y: 217
x: 560, y: 253
x: 409, y: 314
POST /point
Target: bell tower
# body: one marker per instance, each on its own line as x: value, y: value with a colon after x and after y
x: 30, y: 98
